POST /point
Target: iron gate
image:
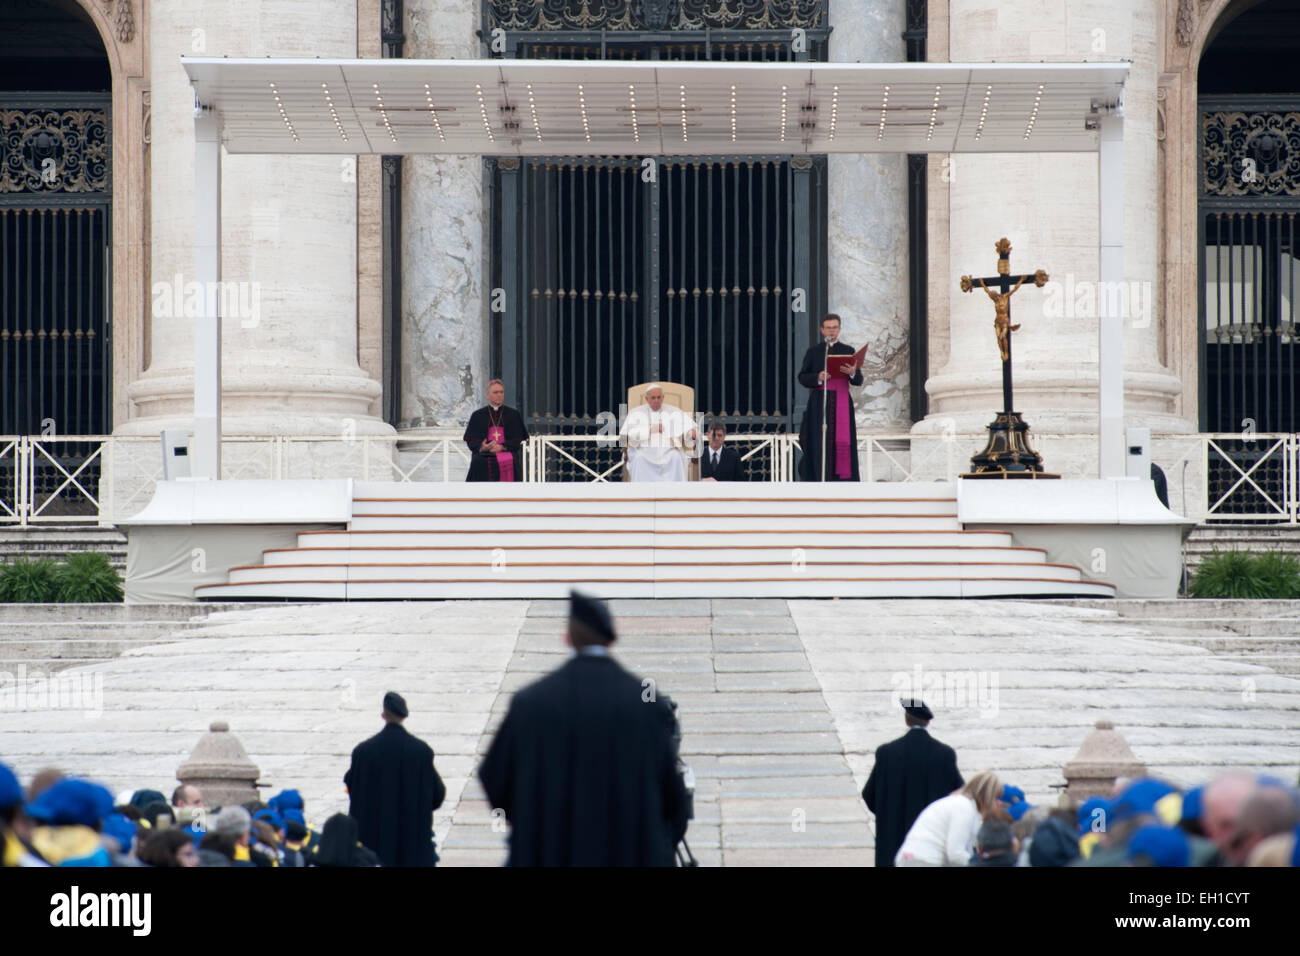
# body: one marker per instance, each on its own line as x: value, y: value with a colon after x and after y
x: 1249, y: 204
x: 708, y: 271
x: 55, y: 303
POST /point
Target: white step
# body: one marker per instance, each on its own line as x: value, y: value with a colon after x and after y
x: 646, y: 571
x: 676, y: 507
x: 792, y: 588
x: 593, y: 519
x: 554, y: 537
x: 615, y: 490
x: 484, y: 555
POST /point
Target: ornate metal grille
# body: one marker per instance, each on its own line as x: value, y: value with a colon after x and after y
x: 1250, y: 267
x: 537, y: 15
x: 53, y: 151
x: 55, y: 339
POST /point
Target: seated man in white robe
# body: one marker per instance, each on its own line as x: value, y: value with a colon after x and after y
x: 656, y: 436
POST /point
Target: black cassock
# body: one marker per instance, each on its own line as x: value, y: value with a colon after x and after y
x: 584, y: 768
x: 393, y: 790
x: 486, y: 467
x: 810, y: 432
x: 910, y: 773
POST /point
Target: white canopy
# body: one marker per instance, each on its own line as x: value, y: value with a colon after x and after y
x: 677, y: 108
x: 510, y: 107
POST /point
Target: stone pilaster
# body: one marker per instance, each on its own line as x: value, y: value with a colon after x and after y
x: 867, y: 231
x: 289, y: 236
x: 1051, y: 220
x: 444, y: 269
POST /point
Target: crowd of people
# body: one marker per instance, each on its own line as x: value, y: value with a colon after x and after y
x: 586, y: 769
x: 926, y: 815
x: 67, y: 821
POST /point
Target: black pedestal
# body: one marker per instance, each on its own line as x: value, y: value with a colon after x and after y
x: 1007, y: 454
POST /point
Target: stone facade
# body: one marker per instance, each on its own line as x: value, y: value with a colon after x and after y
x: 1054, y: 227
x: 290, y: 366
x: 313, y: 363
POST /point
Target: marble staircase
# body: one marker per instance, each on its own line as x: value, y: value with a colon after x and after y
x: 438, y: 541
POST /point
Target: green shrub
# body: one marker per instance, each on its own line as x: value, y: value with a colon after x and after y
x: 1240, y: 574
x: 1280, y: 572
x: 87, y: 578
x: 28, y: 582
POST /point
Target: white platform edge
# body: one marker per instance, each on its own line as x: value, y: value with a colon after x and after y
x: 1096, y: 501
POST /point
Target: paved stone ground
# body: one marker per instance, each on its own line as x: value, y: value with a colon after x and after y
x: 772, y: 784
x: 782, y: 703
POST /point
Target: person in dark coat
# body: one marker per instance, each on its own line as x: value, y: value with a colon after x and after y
x: 340, y: 844
x: 394, y: 788
x: 495, y: 435
x: 584, y: 765
x: 909, y: 774
x: 717, y: 461
x: 841, y: 455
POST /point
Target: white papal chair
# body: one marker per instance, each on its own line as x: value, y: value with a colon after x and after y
x: 682, y: 396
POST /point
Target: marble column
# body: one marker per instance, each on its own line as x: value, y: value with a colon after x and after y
x: 289, y: 239
x: 867, y: 231
x: 444, y: 265
x: 1052, y: 222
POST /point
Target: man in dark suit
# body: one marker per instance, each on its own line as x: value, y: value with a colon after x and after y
x: 584, y: 764
x: 719, y: 463
x: 393, y: 789
x: 909, y: 774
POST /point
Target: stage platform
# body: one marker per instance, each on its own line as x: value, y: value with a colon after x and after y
x: 345, y: 540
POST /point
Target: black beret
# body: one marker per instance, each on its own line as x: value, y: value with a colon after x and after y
x: 915, y: 708
x: 593, y: 613
x: 394, y: 704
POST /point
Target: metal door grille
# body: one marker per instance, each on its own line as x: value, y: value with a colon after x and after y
x: 1249, y: 264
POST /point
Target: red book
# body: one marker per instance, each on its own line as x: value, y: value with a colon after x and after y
x: 834, y: 363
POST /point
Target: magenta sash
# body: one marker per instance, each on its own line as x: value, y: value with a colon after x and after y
x: 505, y: 460
x: 843, y: 463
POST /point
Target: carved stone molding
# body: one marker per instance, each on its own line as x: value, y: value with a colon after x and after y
x: 146, y: 126
x: 123, y: 18
x: 1162, y: 105
x: 1186, y: 23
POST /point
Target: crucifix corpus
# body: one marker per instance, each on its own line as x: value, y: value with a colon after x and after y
x: 1007, y: 454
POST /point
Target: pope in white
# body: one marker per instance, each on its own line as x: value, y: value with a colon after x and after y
x: 656, y: 437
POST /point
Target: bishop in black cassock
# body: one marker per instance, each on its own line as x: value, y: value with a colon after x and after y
x: 393, y: 790
x: 495, y: 436
x: 584, y: 764
x: 841, y: 452
x: 909, y: 774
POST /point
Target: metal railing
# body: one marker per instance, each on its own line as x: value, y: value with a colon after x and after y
x: 1212, y: 477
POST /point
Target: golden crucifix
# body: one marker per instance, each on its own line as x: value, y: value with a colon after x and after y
x: 1007, y: 454
x: 1002, y: 327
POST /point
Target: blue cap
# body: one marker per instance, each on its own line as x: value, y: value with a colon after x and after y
x: 1092, y: 809
x: 1295, y: 851
x: 1011, y: 794
x: 1139, y: 798
x: 286, y: 800
x: 271, y: 817
x: 11, y: 791
x: 120, y: 828
x: 1019, y: 809
x: 1192, y: 803
x: 1163, y: 846
x: 71, y: 802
